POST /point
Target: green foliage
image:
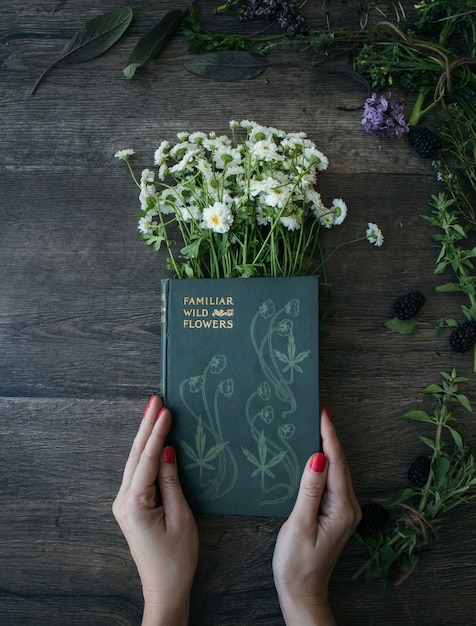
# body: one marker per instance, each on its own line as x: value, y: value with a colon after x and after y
x: 457, y: 163
x: 402, y: 327
x: 453, y: 254
x: 419, y: 511
x: 153, y: 42
x: 95, y: 38
x: 227, y: 65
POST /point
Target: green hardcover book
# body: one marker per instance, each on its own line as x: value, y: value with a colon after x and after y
x: 240, y: 374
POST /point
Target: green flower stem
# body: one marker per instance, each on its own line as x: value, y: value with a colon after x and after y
x: 338, y: 247
x: 131, y: 171
x: 418, y: 112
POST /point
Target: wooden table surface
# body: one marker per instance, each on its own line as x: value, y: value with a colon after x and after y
x: 80, y: 336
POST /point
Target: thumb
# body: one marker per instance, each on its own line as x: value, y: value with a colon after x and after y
x: 173, y: 499
x: 313, y: 483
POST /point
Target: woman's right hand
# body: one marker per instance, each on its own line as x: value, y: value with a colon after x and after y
x: 325, y: 515
x: 157, y: 522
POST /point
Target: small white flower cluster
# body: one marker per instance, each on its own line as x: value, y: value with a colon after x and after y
x: 217, y: 180
x: 240, y: 202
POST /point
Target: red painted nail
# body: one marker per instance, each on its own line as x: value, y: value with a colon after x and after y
x: 161, y: 412
x: 148, y: 406
x: 325, y: 410
x: 169, y: 455
x: 318, y: 463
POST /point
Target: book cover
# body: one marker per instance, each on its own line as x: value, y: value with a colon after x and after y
x: 240, y: 374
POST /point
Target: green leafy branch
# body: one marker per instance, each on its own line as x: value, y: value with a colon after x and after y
x: 453, y: 255
x: 451, y: 482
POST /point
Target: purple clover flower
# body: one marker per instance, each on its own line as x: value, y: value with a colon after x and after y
x: 384, y: 118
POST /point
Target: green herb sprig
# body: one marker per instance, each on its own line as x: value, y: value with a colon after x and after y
x: 453, y: 255
x: 420, y: 510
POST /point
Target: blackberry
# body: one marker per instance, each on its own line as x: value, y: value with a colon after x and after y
x: 424, y: 140
x: 374, y: 518
x: 463, y: 337
x: 419, y: 470
x: 407, y: 306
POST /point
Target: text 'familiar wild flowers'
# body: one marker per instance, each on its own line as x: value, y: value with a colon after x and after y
x: 245, y: 205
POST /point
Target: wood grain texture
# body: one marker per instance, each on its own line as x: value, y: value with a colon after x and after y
x: 80, y: 338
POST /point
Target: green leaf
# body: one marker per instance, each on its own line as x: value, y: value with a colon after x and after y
x: 402, y: 327
x: 433, y: 388
x: 429, y: 442
x: 153, y: 42
x: 418, y: 416
x: 401, y: 496
x: 458, y: 439
x: 448, y: 288
x: 440, y: 470
x: 463, y: 400
x: 95, y: 38
x: 227, y: 65
x: 192, y: 250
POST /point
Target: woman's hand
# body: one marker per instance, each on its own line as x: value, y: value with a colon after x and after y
x: 310, y: 542
x: 157, y: 522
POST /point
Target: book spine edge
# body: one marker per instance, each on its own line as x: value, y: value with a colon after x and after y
x: 164, y: 296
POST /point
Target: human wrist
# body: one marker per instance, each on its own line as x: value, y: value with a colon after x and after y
x: 166, y: 611
x: 306, y: 611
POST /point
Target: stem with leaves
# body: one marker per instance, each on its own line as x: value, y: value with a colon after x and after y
x: 451, y: 482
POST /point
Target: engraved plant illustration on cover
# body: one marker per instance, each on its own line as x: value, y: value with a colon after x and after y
x: 209, y: 454
x: 273, y: 460
x: 269, y: 412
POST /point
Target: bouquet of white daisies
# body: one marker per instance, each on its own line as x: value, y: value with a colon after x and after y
x: 245, y: 205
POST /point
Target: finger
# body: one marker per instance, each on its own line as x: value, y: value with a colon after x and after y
x: 150, y: 417
x: 147, y: 470
x: 313, y: 483
x: 173, y: 500
x: 340, y: 492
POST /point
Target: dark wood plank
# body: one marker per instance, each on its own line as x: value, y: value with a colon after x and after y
x: 80, y: 338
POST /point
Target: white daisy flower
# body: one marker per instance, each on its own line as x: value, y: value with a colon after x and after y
x: 339, y: 208
x: 161, y: 154
x: 225, y: 155
x: 189, y: 212
x: 292, y: 222
x: 312, y: 154
x: 124, y: 154
x: 185, y: 163
x: 197, y: 138
x: 277, y: 196
x: 147, y: 188
x: 217, y: 217
x: 374, y: 235
x: 266, y: 150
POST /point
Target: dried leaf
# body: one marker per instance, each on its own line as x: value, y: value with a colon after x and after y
x: 95, y: 38
x: 227, y: 65
x: 153, y: 42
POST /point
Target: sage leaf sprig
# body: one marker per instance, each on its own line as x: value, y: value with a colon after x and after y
x: 227, y: 65
x: 95, y: 38
x: 153, y: 42
x: 451, y: 482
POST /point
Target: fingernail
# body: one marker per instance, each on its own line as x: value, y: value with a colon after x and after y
x: 148, y: 406
x: 169, y: 455
x: 318, y: 463
x: 325, y: 410
x: 161, y: 412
